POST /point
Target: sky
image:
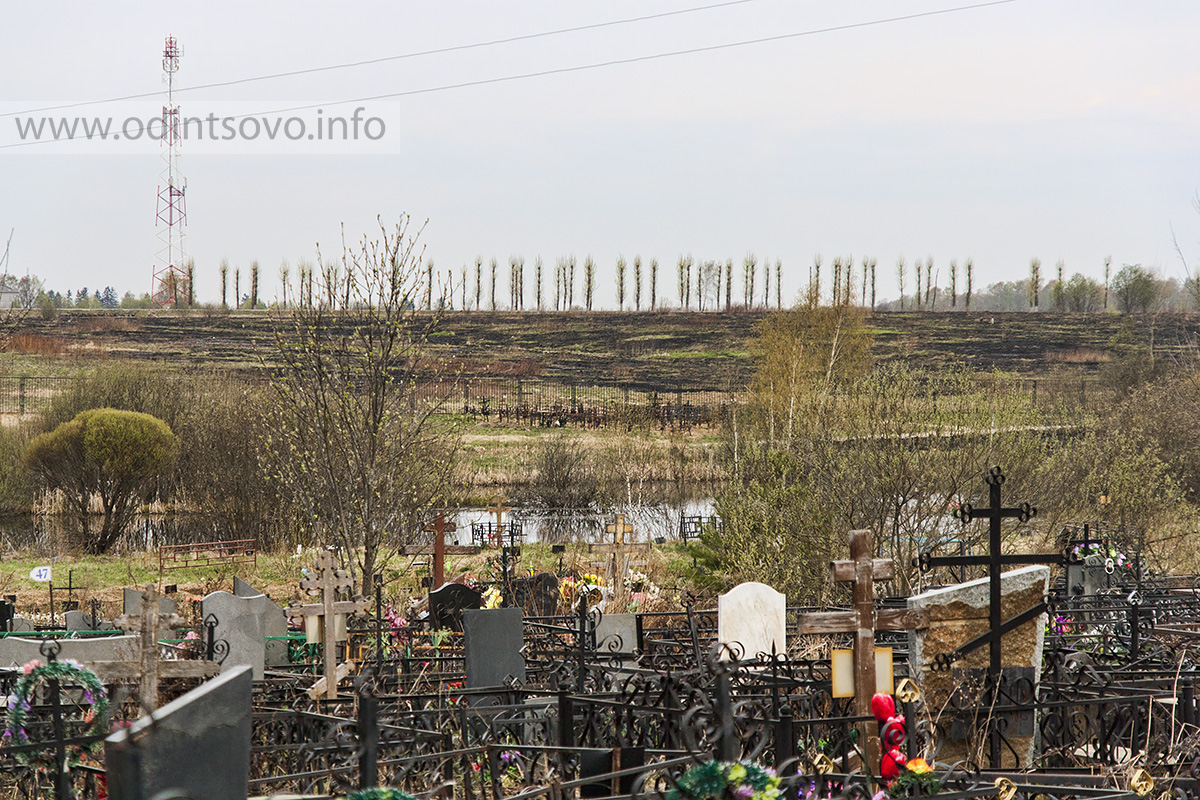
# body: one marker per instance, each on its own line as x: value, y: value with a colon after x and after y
x: 1056, y: 129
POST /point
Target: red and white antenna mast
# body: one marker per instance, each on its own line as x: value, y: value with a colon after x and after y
x: 170, y: 275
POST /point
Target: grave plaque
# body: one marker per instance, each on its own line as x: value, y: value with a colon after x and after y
x: 617, y: 634
x: 959, y: 615
x: 447, y: 605
x: 752, y: 617
x: 196, y: 746
x: 492, y: 639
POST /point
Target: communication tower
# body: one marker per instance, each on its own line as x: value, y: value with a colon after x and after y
x: 170, y: 275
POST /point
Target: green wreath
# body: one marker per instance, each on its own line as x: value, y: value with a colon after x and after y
x: 380, y: 793
x: 743, y: 780
x: 19, y: 705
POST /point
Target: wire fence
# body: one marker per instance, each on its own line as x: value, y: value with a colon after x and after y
x: 23, y: 394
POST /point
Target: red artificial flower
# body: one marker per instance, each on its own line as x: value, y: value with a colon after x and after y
x: 883, y: 706
x: 893, y: 731
x: 892, y: 761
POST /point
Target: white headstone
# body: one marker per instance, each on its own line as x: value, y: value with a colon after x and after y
x: 617, y: 633
x: 15, y: 651
x: 752, y: 617
x: 275, y: 627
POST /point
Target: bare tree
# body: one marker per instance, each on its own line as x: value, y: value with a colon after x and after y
x: 358, y: 459
x: 478, y: 281
x: 900, y: 270
x: 621, y: 283
x: 589, y: 280
x: 224, y: 269
x: 1035, y: 281
x: 492, y: 264
x: 953, y: 283
x: 537, y: 281
x: 637, y: 283
x: 253, y: 284
x: 970, y: 265
x: 284, y: 282
x: 653, y: 283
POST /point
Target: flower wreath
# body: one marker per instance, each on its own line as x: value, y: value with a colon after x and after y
x: 380, y: 793
x: 745, y: 779
x: 19, y: 704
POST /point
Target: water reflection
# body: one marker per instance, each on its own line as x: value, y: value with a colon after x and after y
x: 50, y: 536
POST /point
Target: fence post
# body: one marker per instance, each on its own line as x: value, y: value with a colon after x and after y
x: 21, y: 394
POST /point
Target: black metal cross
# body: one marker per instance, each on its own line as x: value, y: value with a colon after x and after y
x: 995, y: 562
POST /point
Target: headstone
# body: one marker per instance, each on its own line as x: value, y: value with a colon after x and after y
x: 545, y: 594
x: 197, y: 746
x: 1088, y: 577
x: 447, y: 605
x: 81, y: 621
x: 15, y: 651
x: 602, y: 761
x: 241, y: 626
x: 133, y: 603
x: 957, y: 615
x: 275, y: 627
x: 617, y: 634
x: 752, y: 617
x: 21, y: 625
x: 492, y: 639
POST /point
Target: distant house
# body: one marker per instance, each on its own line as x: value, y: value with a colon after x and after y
x: 8, y: 290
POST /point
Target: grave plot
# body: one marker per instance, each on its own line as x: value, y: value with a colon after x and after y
x: 478, y: 702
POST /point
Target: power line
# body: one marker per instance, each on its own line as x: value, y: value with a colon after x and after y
x: 601, y: 64
x: 633, y: 59
x: 384, y: 59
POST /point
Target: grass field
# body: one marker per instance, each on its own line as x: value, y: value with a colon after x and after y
x: 642, y: 351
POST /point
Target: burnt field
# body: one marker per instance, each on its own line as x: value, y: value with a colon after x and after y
x: 643, y: 351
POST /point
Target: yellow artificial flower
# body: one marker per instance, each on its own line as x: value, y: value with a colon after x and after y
x: 918, y: 765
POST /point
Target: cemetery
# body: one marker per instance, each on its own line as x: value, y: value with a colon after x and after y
x: 1060, y: 674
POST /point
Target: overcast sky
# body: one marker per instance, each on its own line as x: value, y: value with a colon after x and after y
x: 1062, y: 129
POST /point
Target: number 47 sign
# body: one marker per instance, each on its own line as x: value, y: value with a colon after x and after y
x: 39, y: 574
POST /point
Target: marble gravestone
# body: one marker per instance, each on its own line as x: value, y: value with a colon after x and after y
x: 617, y: 634
x: 81, y: 621
x: 241, y: 624
x: 275, y: 627
x: 449, y: 603
x: 959, y: 614
x: 751, y: 619
x: 492, y: 641
x: 133, y: 603
x: 197, y: 746
x: 15, y: 651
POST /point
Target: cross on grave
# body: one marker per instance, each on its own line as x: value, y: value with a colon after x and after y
x: 995, y: 561
x: 498, y: 509
x: 439, y: 528
x: 150, y: 666
x: 617, y: 561
x: 862, y: 570
x: 327, y: 580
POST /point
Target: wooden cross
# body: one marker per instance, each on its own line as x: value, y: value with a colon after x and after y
x: 617, y: 561
x: 499, y: 510
x: 326, y: 580
x: 439, y: 529
x: 150, y: 667
x: 862, y: 570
